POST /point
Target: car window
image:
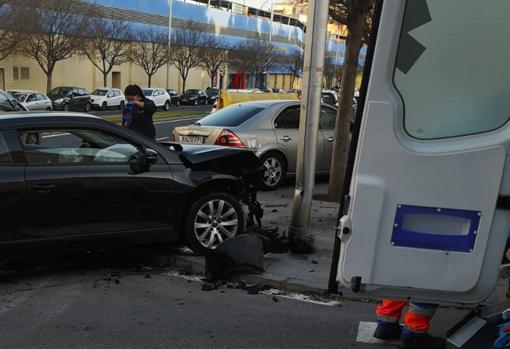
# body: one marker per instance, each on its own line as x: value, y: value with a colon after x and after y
x: 116, y: 93
x: 328, y: 118
x: 99, y: 92
x: 231, y: 116
x: 289, y: 118
x: 20, y: 97
x: 5, y: 153
x: 9, y: 105
x: 31, y: 98
x: 82, y: 92
x: 41, y: 97
x: 75, y: 147
x: 328, y: 98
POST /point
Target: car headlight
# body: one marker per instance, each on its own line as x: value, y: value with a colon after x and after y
x: 60, y: 100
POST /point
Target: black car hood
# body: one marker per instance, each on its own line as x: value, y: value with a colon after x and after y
x: 189, y: 95
x: 222, y: 159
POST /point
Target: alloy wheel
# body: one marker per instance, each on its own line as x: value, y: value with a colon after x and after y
x: 215, y: 222
x: 273, y: 171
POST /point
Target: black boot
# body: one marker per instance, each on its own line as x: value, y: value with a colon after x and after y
x: 387, y: 331
x: 422, y: 341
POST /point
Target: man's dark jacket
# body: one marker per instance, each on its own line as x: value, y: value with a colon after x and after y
x: 141, y: 119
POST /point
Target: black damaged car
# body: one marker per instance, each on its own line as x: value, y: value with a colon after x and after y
x: 80, y: 180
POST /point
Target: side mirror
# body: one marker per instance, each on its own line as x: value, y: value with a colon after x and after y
x: 143, y: 160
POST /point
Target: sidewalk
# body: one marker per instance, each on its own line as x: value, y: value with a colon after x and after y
x: 302, y: 273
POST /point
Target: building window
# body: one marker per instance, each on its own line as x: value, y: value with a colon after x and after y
x: 15, y: 73
x: 25, y: 73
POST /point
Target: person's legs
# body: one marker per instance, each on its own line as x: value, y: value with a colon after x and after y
x: 416, y: 326
x: 388, y: 317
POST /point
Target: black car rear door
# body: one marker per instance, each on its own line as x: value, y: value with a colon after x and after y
x: 79, y: 184
x: 12, y: 187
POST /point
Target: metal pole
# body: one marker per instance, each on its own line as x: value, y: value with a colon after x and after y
x: 271, y: 24
x: 170, y: 15
x: 315, y: 47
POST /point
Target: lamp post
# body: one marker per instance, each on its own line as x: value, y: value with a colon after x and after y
x: 313, y: 71
x: 170, y: 15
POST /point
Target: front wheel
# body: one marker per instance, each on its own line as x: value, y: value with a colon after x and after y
x: 167, y: 106
x: 88, y: 107
x: 275, y: 170
x: 104, y: 107
x: 212, y: 219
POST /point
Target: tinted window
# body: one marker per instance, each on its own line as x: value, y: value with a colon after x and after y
x: 99, y: 92
x: 60, y: 91
x: 74, y: 147
x: 289, y: 118
x: 231, y: 116
x: 147, y: 93
x: 5, y: 154
x: 328, y: 98
x: 328, y: 119
x: 192, y: 92
x: 212, y: 92
x: 116, y: 93
x: 459, y: 84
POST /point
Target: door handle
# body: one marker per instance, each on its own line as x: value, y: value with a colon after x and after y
x: 286, y: 139
x: 331, y: 139
x: 43, y: 188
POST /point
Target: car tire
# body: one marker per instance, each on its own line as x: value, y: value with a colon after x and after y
x: 67, y: 107
x: 275, y: 171
x: 49, y: 109
x: 167, y: 106
x: 122, y: 105
x: 206, y: 228
x: 88, y: 107
x: 104, y: 107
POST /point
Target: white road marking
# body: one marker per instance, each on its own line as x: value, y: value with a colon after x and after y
x: 366, y: 334
x: 162, y: 138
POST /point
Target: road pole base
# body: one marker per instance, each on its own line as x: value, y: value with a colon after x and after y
x: 300, y: 240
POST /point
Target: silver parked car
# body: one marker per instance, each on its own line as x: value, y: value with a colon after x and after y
x: 33, y: 100
x: 268, y: 128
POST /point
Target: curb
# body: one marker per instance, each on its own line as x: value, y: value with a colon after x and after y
x: 195, y: 265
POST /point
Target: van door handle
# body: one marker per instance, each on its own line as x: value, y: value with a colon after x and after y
x: 331, y: 139
x: 286, y: 139
x: 43, y: 189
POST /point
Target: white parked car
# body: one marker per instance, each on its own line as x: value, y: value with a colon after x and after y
x: 159, y: 96
x: 32, y: 100
x: 105, y: 98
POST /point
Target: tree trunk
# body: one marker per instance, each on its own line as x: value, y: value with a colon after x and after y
x: 105, y: 79
x: 212, y: 78
x: 49, y: 78
x: 149, y: 82
x: 184, y: 84
x: 342, y: 134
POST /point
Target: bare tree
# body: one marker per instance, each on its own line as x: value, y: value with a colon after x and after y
x: 295, y: 62
x: 257, y: 56
x: 150, y: 52
x: 57, y: 30
x: 213, y: 56
x: 187, y: 49
x: 109, y: 43
x: 357, y: 15
x: 13, y: 26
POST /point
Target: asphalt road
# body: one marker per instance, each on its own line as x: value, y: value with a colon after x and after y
x: 109, y: 301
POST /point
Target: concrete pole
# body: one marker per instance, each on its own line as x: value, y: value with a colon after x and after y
x: 170, y: 15
x: 271, y: 23
x: 315, y: 47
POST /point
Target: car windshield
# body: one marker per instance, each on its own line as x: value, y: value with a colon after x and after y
x: 328, y: 98
x: 20, y: 96
x: 99, y: 92
x: 60, y: 91
x: 8, y: 104
x: 147, y: 92
x: 212, y: 92
x: 232, y: 116
x: 191, y: 92
x: 172, y: 92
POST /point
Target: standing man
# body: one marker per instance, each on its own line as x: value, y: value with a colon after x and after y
x: 139, y: 111
x: 414, y: 333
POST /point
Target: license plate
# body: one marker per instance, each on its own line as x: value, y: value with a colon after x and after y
x: 192, y: 139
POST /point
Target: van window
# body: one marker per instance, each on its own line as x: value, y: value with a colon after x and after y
x: 452, y: 71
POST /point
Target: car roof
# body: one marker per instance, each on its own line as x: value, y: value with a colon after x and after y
x: 37, y: 118
x: 268, y: 103
x: 23, y: 91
